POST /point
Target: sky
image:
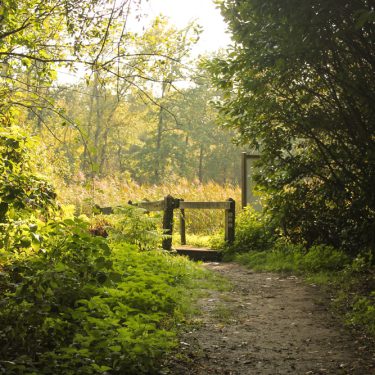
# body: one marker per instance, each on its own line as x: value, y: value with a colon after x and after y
x: 180, y: 13
x: 204, y: 12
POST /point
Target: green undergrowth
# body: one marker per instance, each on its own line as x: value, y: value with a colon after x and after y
x: 285, y: 257
x: 214, y: 241
x: 80, y: 304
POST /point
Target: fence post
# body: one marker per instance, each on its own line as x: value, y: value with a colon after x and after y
x: 169, y: 205
x: 243, y: 179
x: 182, y: 225
x: 230, y: 217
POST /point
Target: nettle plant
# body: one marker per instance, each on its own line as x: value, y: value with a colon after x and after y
x: 80, y: 306
x: 134, y: 225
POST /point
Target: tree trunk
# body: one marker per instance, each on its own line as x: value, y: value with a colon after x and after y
x: 86, y: 159
x: 200, y: 167
x: 159, y: 135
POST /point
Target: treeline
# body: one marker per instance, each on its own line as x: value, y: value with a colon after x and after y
x: 147, y: 141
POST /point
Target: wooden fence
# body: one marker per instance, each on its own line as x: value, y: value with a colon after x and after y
x: 169, y: 204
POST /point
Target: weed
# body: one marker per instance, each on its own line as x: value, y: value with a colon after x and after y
x: 222, y: 313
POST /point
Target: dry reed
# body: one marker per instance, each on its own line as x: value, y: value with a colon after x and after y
x: 115, y: 192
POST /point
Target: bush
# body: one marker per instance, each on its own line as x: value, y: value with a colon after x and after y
x: 283, y: 257
x: 133, y: 225
x: 21, y: 191
x: 324, y: 258
x: 254, y: 232
x: 363, y: 312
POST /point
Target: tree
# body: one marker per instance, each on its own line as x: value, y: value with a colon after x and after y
x: 166, y: 74
x: 208, y: 152
x: 192, y: 146
x: 299, y: 85
x: 157, y: 62
x: 35, y: 35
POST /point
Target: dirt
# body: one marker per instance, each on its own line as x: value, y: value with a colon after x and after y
x: 269, y: 324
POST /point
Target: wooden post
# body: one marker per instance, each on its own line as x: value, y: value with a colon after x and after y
x: 182, y: 225
x: 169, y: 204
x: 243, y: 179
x: 230, y: 215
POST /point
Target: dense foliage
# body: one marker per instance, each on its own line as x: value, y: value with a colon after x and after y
x: 254, y: 232
x: 299, y: 86
x: 20, y: 188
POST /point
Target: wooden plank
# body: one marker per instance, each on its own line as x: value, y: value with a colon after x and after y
x: 205, y: 255
x: 205, y: 205
x: 151, y: 206
x: 105, y: 210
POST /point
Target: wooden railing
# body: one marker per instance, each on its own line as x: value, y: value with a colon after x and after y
x: 169, y: 204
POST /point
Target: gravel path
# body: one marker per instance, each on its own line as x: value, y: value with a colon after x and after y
x: 268, y: 324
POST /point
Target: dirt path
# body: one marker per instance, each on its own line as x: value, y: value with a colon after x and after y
x: 268, y: 324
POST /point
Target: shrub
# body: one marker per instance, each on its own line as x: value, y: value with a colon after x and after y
x: 254, y: 232
x: 283, y: 257
x: 134, y: 226
x: 363, y: 312
x: 21, y: 191
x: 324, y: 258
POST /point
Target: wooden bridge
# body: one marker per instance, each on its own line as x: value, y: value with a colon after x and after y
x: 169, y: 204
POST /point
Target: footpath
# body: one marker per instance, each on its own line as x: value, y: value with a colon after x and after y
x: 269, y: 324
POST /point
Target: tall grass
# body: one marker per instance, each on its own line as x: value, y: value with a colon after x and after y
x: 115, y: 191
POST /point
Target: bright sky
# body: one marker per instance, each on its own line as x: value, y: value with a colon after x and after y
x: 181, y: 12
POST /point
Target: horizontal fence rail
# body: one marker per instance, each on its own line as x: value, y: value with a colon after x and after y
x: 205, y: 205
x: 150, y: 206
x: 105, y: 210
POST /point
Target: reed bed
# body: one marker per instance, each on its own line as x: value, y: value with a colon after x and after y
x: 117, y: 192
